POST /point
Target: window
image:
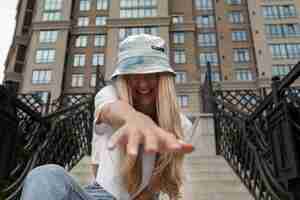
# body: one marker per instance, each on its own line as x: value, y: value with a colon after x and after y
x: 93, y: 80
x: 180, y: 77
x: 206, y: 39
x: 204, y: 4
x: 183, y: 100
x: 101, y: 20
x: 99, y: 41
x: 210, y: 57
x: 281, y: 70
x: 79, y: 60
x: 241, y: 55
x: 84, y: 5
x: 179, y: 57
x: 98, y: 59
x: 52, y: 5
x: 125, y: 32
x: 48, y: 36
x: 52, y: 10
x: 215, y: 75
x: 243, y: 75
x: 178, y: 19
x: 42, y: 96
x: 239, y: 36
x: 77, y: 80
x: 205, y: 21
x: 45, y: 56
x: 178, y: 37
x: 234, y: 2
x: 282, y: 30
x: 52, y: 16
x: 41, y: 76
x: 279, y: 11
x: 102, y: 4
x: 285, y: 51
x: 236, y: 17
x: 138, y: 8
x: 83, y: 21
x: 81, y: 41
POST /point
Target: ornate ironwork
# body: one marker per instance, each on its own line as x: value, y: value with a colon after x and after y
x: 30, y: 137
x: 260, y: 138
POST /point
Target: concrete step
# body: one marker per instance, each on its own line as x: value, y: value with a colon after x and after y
x: 82, y: 171
x: 222, y: 196
x: 207, y: 176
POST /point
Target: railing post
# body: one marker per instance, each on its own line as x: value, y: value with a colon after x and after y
x: 284, y: 150
x: 8, y: 127
x: 274, y: 135
x: 210, y: 105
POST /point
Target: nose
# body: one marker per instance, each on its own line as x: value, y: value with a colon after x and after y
x: 143, y: 83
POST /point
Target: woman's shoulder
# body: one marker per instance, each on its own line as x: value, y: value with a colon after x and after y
x: 105, y: 95
x: 108, y: 89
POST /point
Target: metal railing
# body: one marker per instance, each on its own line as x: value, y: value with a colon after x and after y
x: 34, y: 134
x: 259, y: 136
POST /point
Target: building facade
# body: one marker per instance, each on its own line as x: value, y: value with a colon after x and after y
x: 59, y: 44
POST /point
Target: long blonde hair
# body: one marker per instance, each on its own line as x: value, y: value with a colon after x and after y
x: 168, y: 166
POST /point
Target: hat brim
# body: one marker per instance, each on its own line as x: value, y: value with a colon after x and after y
x: 143, y: 65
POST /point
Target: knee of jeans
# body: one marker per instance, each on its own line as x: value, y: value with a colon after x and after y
x: 49, y: 172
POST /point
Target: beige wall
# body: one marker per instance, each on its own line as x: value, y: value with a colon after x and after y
x: 66, y: 10
x: 20, y: 18
x: 60, y: 46
x: 57, y: 67
x: 262, y: 51
x: 261, y: 40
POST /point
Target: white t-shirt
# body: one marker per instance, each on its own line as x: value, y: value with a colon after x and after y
x: 108, y: 175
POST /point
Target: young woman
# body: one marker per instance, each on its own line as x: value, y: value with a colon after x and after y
x: 139, y: 129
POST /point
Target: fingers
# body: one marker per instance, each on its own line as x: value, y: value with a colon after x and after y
x: 151, y: 143
x: 118, y: 138
x: 187, y: 148
x: 157, y: 140
x: 134, y: 141
x: 170, y: 143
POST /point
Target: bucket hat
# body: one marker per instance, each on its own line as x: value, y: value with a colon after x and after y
x: 142, y: 54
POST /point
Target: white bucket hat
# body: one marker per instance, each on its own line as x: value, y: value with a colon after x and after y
x: 142, y: 54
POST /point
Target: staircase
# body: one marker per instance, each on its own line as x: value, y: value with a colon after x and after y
x: 208, y: 177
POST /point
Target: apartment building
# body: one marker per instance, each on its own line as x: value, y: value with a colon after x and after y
x: 59, y: 44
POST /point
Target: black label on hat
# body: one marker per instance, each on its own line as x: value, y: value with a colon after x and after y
x: 158, y: 48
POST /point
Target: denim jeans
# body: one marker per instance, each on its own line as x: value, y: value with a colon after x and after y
x: 52, y: 182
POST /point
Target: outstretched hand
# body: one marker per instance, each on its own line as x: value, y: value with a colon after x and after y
x: 141, y: 129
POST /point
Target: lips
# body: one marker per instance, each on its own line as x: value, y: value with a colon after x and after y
x: 144, y: 92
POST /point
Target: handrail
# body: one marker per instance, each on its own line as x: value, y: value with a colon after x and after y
x: 40, y: 139
x: 269, y: 131
x: 284, y: 83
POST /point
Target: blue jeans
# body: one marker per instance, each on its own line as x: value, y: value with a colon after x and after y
x: 52, y: 182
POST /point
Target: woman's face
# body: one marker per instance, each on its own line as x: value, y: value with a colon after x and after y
x: 144, y: 91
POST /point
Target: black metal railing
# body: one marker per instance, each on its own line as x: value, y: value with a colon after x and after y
x: 34, y: 133
x: 259, y: 136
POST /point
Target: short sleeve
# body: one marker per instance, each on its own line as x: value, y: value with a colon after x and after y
x: 186, y: 126
x: 106, y: 95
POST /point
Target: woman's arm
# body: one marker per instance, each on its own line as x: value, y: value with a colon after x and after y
x: 135, y: 128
